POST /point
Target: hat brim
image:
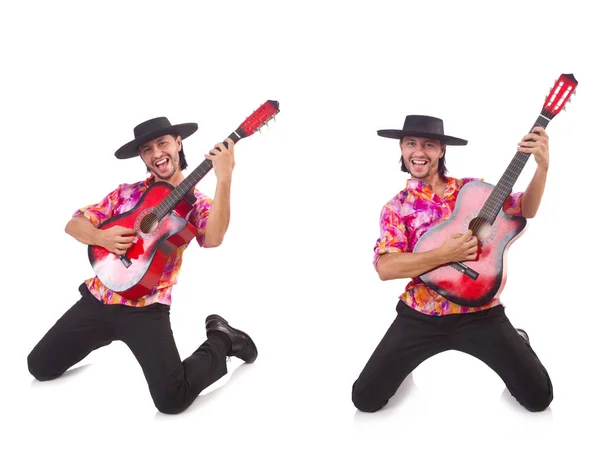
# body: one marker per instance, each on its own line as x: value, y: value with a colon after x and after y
x: 397, y: 134
x: 131, y: 149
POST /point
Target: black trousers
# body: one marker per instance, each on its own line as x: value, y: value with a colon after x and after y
x: 90, y: 324
x: 488, y: 335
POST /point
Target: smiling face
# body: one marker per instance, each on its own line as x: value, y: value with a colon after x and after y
x: 161, y: 156
x: 421, y: 156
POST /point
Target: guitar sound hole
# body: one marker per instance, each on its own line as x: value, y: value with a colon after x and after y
x: 482, y: 229
x: 149, y: 223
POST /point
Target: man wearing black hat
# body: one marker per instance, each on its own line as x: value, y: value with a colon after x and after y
x: 426, y: 322
x: 102, y: 316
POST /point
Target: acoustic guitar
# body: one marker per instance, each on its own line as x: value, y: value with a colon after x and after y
x: 479, y: 208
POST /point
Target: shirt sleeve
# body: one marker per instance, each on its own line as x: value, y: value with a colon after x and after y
x: 512, y: 206
x: 394, y: 236
x: 103, y: 210
x: 199, y: 215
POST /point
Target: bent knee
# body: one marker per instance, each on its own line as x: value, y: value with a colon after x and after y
x: 538, y: 396
x: 170, y: 408
x: 366, y: 401
x: 537, y: 404
x: 40, y: 368
x: 171, y: 405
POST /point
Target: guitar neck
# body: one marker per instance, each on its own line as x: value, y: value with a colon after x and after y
x: 171, y: 201
x: 502, y: 190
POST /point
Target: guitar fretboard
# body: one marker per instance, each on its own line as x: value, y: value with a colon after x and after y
x: 253, y: 123
x: 171, y: 201
x: 502, y: 190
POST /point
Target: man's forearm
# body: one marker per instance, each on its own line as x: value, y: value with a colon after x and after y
x: 406, y: 265
x: 532, y: 197
x: 82, y: 230
x: 218, y: 218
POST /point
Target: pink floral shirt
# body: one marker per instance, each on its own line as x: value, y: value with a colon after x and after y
x: 123, y: 199
x: 409, y: 215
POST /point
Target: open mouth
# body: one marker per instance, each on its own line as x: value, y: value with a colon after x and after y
x: 162, y: 163
x: 419, y: 163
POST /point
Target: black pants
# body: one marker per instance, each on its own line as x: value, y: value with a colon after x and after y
x: 90, y: 324
x: 488, y: 335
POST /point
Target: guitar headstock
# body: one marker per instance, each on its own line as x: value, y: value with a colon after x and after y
x: 559, y: 95
x: 259, y: 118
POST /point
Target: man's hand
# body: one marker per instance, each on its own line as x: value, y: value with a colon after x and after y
x: 117, y: 239
x: 223, y: 160
x: 536, y: 143
x: 459, y: 247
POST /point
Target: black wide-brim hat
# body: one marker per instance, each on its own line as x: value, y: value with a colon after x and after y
x: 152, y: 129
x: 425, y: 127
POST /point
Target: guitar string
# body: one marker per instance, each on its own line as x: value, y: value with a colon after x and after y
x: 494, y: 203
x: 170, y: 201
x: 510, y: 176
x: 189, y: 182
x: 498, y: 196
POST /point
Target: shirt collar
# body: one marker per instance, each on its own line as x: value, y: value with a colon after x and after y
x: 421, y: 187
x: 149, y: 181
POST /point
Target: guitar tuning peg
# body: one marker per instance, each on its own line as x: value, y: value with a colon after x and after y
x: 564, y: 108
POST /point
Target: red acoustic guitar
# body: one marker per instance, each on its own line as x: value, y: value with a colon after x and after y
x: 160, y: 225
x: 479, y: 208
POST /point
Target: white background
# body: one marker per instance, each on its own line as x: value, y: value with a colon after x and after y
x: 295, y: 269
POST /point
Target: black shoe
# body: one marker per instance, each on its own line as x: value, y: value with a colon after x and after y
x: 523, y: 334
x: 242, y: 345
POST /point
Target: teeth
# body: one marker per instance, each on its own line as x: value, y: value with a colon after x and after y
x: 159, y: 162
x: 419, y: 162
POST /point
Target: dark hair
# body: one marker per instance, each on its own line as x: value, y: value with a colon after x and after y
x: 182, y: 161
x: 442, y: 170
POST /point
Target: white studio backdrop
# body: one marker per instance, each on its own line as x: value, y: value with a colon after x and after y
x: 295, y: 269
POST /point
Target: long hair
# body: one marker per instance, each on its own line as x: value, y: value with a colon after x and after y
x: 183, y: 162
x: 442, y: 170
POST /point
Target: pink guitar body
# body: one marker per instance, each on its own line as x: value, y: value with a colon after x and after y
x: 494, y: 239
x: 150, y: 252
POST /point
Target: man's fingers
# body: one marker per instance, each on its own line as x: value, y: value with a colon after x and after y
x: 467, y: 235
x: 540, y: 131
x: 123, y: 230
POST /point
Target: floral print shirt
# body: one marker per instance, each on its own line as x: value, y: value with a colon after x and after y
x: 410, y: 214
x: 123, y: 199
